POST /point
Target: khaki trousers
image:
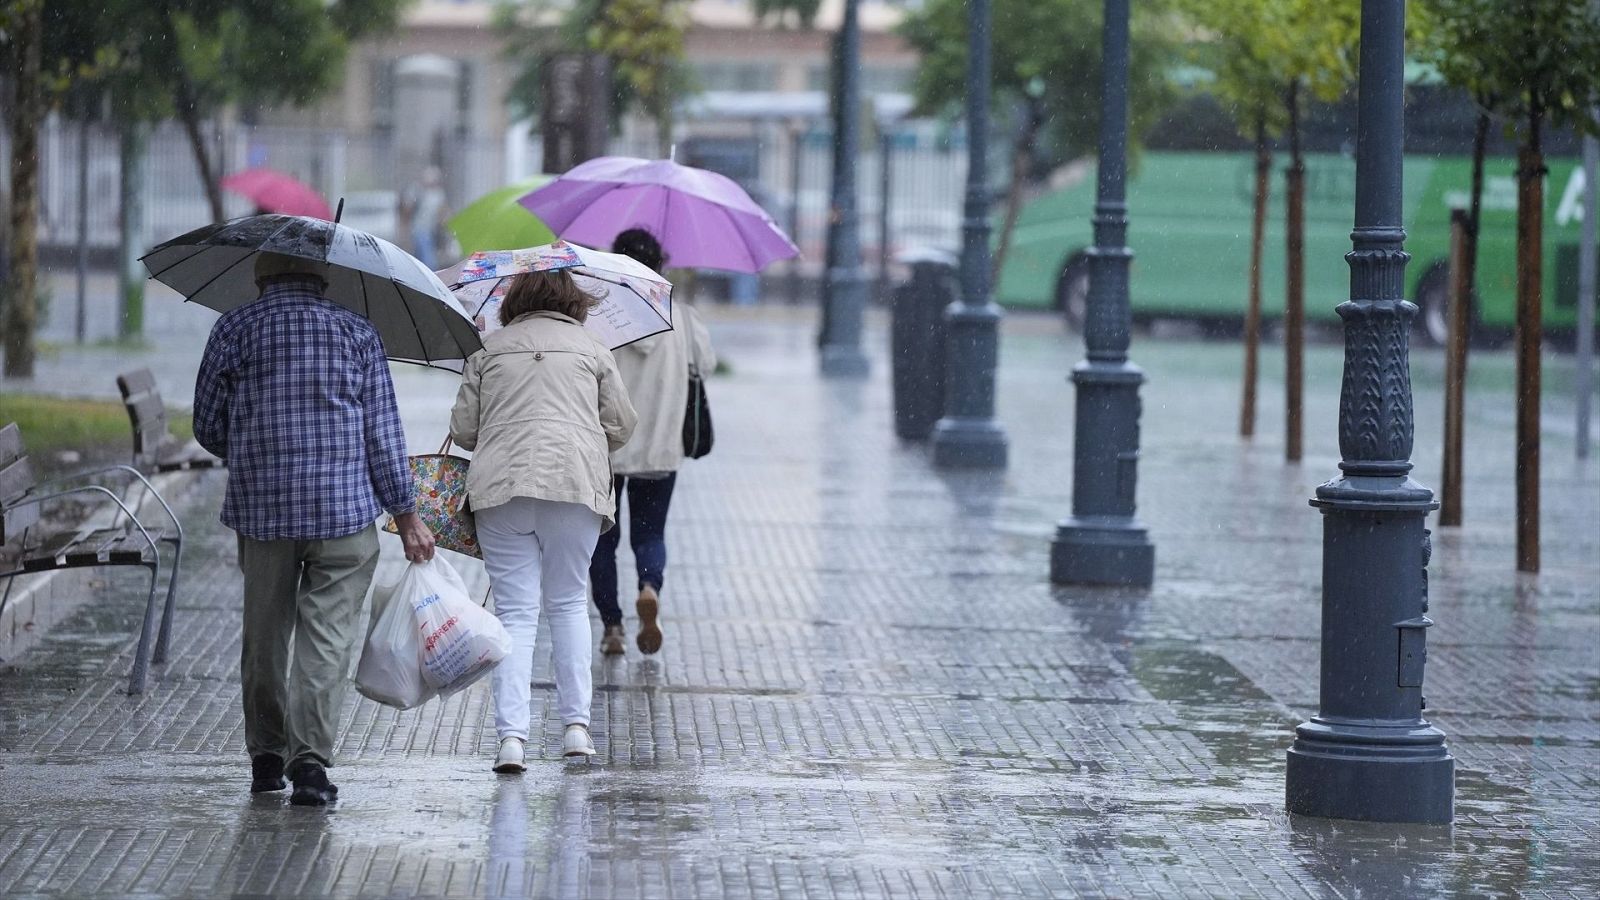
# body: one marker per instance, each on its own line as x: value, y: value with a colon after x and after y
x: 307, y: 593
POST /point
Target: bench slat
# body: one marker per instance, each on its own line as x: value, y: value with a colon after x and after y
x: 176, y: 455
x: 10, y: 443
x: 16, y: 479
x: 94, y: 547
x: 145, y: 409
x: 131, y: 549
x: 138, y: 381
x: 43, y: 555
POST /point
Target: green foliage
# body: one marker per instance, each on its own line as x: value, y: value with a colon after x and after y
x: 98, y: 429
x: 1257, y: 48
x: 153, y: 56
x: 1520, y: 57
x: 643, y: 38
x: 1049, y: 49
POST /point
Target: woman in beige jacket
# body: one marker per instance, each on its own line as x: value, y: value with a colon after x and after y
x: 542, y: 406
x: 656, y: 371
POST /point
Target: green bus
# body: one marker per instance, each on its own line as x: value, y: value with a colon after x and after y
x: 1189, y: 214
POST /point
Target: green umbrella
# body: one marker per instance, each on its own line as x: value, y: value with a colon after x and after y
x: 496, y: 221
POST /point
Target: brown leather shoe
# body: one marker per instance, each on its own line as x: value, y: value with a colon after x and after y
x: 648, y: 606
x: 614, y: 642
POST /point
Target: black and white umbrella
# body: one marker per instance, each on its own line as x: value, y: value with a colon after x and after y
x: 415, y: 314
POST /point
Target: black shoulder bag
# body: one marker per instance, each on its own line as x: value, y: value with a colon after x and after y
x: 697, y: 434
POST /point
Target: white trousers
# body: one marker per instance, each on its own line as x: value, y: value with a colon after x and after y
x: 537, y: 554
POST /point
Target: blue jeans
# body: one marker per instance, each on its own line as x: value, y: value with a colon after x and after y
x: 647, y: 501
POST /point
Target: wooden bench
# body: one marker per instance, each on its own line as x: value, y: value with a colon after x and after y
x: 155, y: 447
x: 29, y: 545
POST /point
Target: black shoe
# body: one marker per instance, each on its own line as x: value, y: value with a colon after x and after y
x: 266, y: 773
x: 312, y: 787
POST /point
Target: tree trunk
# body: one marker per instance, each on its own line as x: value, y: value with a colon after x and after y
x: 1463, y: 277
x: 1455, y: 373
x: 27, y: 111
x: 1252, y: 313
x: 1294, y: 301
x: 1469, y: 257
x: 1020, y: 155
x: 664, y: 139
x: 1530, y: 325
x: 130, y: 228
x: 189, y: 114
x: 81, y: 319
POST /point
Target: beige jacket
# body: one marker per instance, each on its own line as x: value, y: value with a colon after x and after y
x: 542, y: 406
x: 656, y: 371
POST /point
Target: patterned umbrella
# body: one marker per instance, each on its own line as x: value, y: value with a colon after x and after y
x: 414, y: 312
x: 635, y: 302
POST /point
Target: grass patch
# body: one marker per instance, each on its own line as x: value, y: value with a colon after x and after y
x: 97, y: 429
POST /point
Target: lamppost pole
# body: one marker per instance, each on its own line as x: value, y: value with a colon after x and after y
x: 1368, y: 753
x: 1102, y: 542
x: 846, y: 290
x: 968, y: 436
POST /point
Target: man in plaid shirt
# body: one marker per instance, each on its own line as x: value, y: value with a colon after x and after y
x: 294, y: 392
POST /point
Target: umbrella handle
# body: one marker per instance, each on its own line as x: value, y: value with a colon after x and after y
x: 338, y: 213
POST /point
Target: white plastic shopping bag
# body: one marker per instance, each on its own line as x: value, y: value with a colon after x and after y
x: 390, y: 671
x: 461, y: 641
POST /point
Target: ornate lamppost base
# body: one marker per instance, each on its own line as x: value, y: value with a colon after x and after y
x: 844, y: 362
x: 1370, y: 772
x: 969, y: 437
x: 846, y: 298
x: 1106, y: 551
x: 969, y: 444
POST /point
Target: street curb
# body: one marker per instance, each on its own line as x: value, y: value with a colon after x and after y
x: 38, y: 602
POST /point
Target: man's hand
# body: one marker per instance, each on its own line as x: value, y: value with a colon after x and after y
x: 415, y: 536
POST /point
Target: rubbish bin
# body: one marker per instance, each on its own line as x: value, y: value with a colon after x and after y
x: 916, y: 341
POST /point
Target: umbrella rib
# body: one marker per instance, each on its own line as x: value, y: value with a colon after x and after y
x: 423, y: 342
x: 154, y: 274
x: 212, y: 280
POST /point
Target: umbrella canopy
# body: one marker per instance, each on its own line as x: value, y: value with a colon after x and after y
x: 418, y: 319
x: 635, y: 302
x: 276, y: 192
x: 496, y: 221
x: 702, y: 219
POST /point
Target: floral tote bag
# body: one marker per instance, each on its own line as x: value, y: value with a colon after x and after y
x: 442, y: 501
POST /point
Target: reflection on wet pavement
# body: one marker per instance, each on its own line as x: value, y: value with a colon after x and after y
x: 868, y: 689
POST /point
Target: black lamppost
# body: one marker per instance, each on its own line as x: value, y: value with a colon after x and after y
x: 968, y: 436
x: 1368, y: 753
x: 845, y: 293
x: 1102, y: 543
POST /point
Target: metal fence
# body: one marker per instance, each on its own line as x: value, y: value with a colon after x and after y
x: 360, y: 168
x: 919, y: 204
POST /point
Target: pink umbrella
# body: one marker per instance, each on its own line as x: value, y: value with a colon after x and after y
x: 276, y: 192
x: 702, y: 219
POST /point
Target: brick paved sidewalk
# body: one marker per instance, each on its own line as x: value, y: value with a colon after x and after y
x: 869, y: 689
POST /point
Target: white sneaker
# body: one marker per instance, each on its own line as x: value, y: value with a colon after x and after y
x: 576, y: 741
x: 511, y: 760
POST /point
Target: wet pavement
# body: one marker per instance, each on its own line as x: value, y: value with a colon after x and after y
x: 869, y: 688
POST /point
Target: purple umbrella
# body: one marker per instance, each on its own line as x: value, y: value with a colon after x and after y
x: 703, y: 220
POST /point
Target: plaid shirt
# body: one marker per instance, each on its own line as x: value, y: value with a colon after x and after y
x: 294, y: 392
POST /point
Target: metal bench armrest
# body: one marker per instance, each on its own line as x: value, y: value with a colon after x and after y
x: 40, y: 499
x: 127, y: 470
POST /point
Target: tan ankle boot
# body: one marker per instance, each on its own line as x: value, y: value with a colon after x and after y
x: 648, y: 606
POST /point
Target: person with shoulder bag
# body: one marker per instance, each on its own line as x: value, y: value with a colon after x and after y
x: 542, y: 406
x: 657, y: 372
